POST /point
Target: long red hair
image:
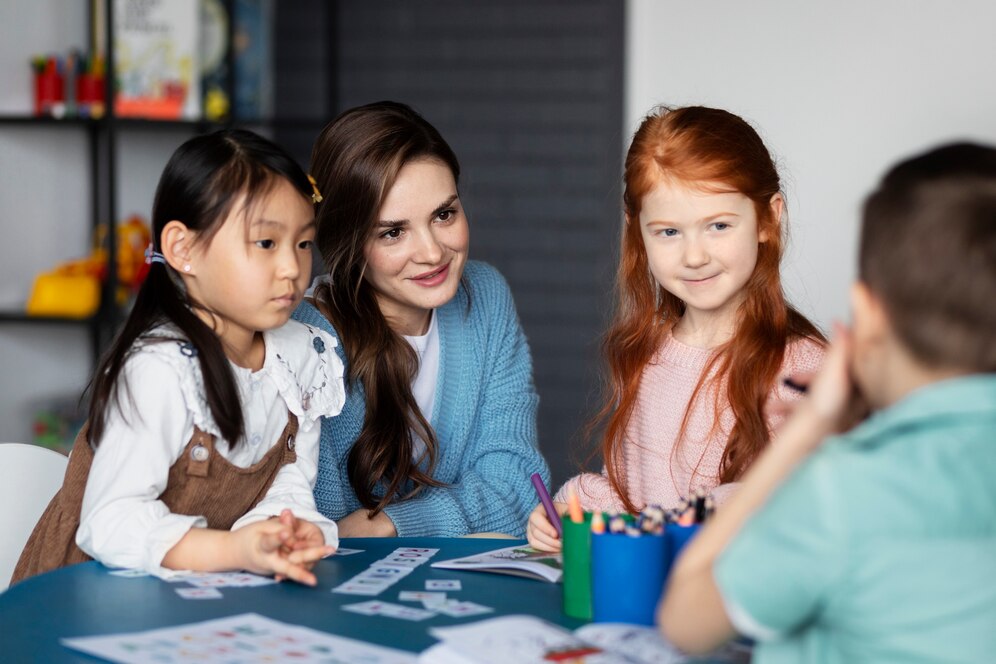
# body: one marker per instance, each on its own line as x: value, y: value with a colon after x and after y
x: 705, y: 147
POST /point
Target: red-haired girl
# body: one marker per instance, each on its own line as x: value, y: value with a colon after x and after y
x: 702, y: 337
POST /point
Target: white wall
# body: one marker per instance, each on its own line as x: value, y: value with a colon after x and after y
x: 44, y: 213
x: 45, y: 199
x: 838, y: 91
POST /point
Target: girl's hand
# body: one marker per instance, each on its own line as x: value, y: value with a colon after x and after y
x: 262, y: 548
x: 301, y: 535
x: 542, y: 534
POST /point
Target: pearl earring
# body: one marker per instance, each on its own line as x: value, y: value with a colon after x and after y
x: 186, y: 268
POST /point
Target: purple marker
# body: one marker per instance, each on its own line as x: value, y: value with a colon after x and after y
x: 551, y: 511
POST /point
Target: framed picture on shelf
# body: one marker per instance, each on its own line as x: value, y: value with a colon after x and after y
x: 157, y: 59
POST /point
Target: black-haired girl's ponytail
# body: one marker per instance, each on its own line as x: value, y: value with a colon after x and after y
x: 159, y: 301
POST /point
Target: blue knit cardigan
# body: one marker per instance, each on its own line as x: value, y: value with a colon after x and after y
x: 484, y: 418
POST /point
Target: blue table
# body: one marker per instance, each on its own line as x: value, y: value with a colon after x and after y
x: 85, y: 600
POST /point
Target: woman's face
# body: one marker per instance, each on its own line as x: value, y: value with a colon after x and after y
x: 417, y: 250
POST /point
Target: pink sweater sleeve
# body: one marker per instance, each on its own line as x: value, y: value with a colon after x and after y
x: 594, y: 492
x: 649, y: 470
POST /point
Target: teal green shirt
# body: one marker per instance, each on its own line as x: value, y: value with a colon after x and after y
x: 882, y: 546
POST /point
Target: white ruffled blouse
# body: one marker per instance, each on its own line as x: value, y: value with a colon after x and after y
x: 161, y: 391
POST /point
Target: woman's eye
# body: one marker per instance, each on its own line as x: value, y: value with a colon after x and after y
x: 392, y: 234
x: 669, y: 232
x: 265, y: 244
x: 445, y: 215
x: 721, y: 225
x: 306, y: 244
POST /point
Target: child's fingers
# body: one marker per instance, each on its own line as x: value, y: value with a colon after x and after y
x: 543, y: 542
x: 273, y: 537
x: 541, y: 533
x: 286, y: 569
x: 310, y: 555
x: 541, y: 522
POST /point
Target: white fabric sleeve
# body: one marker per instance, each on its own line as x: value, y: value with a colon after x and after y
x: 292, y: 489
x: 122, y: 521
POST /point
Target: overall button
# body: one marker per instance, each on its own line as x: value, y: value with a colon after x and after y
x: 290, y: 442
x: 199, y: 453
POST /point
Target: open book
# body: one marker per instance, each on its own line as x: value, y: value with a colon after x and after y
x: 516, y: 560
x: 530, y: 640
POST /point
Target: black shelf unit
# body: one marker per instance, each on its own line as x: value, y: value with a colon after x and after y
x: 102, y: 140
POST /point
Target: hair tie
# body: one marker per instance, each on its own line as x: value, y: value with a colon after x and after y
x: 153, y: 256
x: 316, y: 196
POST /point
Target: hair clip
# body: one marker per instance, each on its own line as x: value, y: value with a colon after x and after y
x: 153, y: 256
x: 316, y: 196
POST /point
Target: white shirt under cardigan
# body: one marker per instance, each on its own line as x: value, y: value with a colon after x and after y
x: 123, y: 523
x: 426, y: 379
x: 424, y: 385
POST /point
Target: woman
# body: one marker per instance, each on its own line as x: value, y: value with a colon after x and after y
x: 438, y: 434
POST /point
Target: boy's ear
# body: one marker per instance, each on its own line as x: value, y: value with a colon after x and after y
x: 776, y: 206
x: 177, y: 242
x: 871, y: 322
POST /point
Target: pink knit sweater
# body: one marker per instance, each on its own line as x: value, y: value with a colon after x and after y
x: 656, y: 471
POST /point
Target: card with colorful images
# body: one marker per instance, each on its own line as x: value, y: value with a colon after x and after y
x: 385, y: 572
x: 342, y: 551
x: 442, y: 584
x: 225, y: 580
x: 128, y: 573
x: 238, y: 639
x: 378, y: 608
x: 199, y: 593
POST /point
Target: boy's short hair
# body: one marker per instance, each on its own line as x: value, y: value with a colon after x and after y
x: 928, y: 251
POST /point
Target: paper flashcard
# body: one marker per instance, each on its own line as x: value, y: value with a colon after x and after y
x: 199, y: 593
x: 128, y: 573
x: 419, y: 596
x: 225, y: 580
x: 384, y: 573
x: 377, y: 608
x: 458, y: 609
x: 236, y: 640
x: 341, y: 551
x: 442, y: 584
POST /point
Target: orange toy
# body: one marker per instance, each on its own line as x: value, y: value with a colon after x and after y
x: 72, y: 289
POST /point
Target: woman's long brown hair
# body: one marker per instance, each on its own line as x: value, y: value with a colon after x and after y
x: 710, y: 148
x: 355, y: 162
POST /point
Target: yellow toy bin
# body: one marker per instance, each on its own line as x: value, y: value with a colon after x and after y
x: 64, y: 295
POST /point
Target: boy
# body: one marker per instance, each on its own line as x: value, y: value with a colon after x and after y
x: 881, y: 546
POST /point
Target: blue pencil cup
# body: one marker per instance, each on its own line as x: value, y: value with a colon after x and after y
x: 677, y: 537
x: 627, y: 577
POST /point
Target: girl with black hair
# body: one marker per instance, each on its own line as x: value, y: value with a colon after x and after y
x: 201, y: 447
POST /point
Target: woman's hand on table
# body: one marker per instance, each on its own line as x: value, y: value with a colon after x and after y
x: 361, y: 524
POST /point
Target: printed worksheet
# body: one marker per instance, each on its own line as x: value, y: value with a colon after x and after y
x: 244, y: 639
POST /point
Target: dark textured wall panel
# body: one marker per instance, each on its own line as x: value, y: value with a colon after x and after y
x: 529, y: 94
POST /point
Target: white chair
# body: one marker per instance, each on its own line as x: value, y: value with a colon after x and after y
x: 29, y: 477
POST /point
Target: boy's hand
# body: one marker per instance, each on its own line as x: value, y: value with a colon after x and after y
x: 262, y: 548
x: 542, y: 534
x: 833, y: 401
